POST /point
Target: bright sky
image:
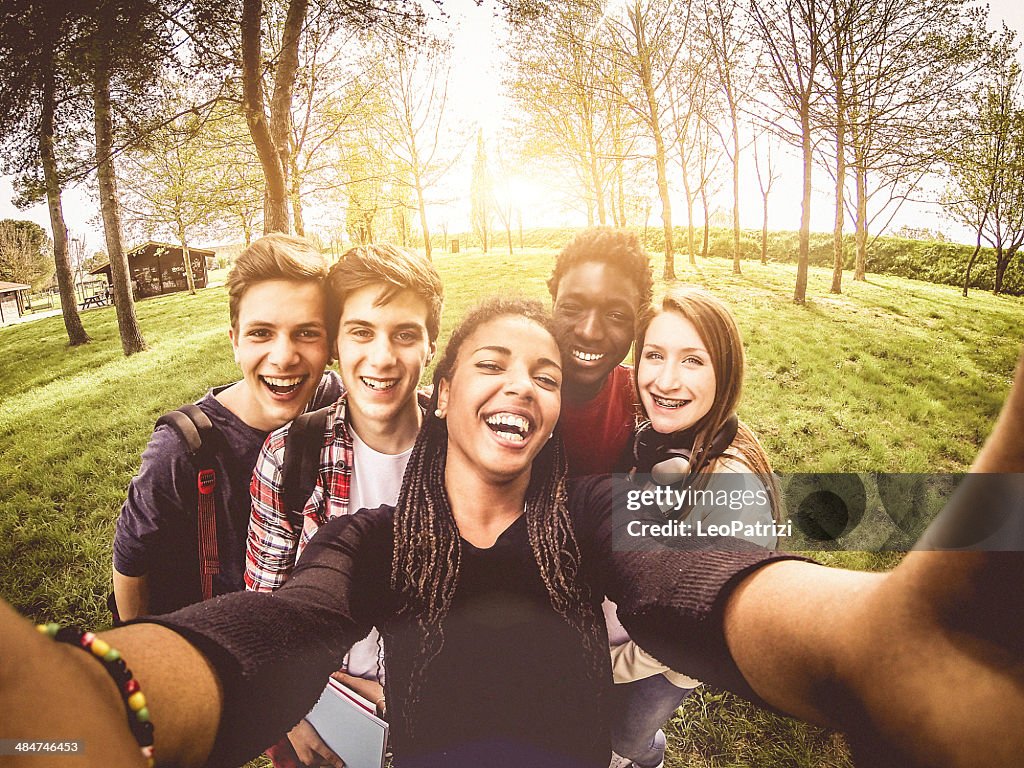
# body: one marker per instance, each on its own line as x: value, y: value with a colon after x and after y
x: 474, y: 93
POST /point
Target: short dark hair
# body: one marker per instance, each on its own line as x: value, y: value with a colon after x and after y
x: 397, y: 269
x: 618, y: 247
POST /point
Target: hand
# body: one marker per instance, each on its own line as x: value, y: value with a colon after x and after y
x: 310, y: 748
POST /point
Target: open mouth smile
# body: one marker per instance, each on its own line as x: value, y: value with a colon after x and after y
x: 283, y: 385
x: 379, y: 385
x: 587, y: 357
x: 666, y: 402
x: 509, y: 426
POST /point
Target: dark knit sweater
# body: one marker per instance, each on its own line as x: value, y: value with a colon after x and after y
x: 510, y: 685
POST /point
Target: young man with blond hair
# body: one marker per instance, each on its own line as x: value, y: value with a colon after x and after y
x: 281, y: 341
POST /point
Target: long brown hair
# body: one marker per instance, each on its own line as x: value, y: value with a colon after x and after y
x: 427, y: 548
x: 717, y: 329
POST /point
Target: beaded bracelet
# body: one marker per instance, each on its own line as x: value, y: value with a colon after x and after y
x: 127, y: 685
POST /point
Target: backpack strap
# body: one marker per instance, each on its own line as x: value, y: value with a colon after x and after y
x: 198, y: 432
x: 302, y: 448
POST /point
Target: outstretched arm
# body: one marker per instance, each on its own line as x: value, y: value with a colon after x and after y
x: 202, y: 668
x: 51, y: 691
x: 922, y: 666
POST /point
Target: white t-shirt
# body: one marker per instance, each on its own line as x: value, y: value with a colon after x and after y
x: 376, y: 480
x: 376, y: 476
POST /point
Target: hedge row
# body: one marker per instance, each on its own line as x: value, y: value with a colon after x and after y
x: 931, y: 261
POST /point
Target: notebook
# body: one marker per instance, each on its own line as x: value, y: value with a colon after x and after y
x: 348, y: 725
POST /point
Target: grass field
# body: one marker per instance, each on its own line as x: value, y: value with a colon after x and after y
x: 892, y: 376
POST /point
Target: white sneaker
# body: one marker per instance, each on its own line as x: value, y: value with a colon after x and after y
x: 618, y: 761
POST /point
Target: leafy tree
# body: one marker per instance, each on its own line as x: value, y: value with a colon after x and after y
x: 40, y: 117
x: 26, y: 253
x: 127, y: 82
x: 171, y: 185
x: 987, y: 168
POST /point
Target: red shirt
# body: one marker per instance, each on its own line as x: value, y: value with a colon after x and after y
x: 597, y: 432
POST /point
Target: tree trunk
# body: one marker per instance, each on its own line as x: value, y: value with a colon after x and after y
x: 421, y: 203
x: 800, y: 292
x: 65, y: 280
x: 1002, y: 260
x: 838, y: 258
x: 707, y: 222
x: 264, y: 132
x: 764, y: 231
x: 735, y: 188
x: 110, y: 208
x: 860, y: 263
x: 186, y: 258
x: 690, y: 245
x: 660, y: 163
x: 970, y: 262
x: 295, y: 198
x: 596, y: 178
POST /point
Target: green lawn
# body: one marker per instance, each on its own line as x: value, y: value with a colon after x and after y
x: 893, y: 375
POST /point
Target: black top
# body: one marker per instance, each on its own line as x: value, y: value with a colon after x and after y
x: 510, y: 684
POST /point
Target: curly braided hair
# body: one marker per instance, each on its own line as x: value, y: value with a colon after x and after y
x: 427, y: 548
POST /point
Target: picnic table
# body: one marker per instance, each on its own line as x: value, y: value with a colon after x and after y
x: 99, y: 300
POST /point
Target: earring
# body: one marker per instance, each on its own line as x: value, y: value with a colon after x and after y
x: 439, y: 413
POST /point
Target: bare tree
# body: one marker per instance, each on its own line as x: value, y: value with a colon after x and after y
x: 414, y: 127
x: 790, y: 32
x: 648, y: 43
x: 906, y: 66
x: 767, y: 174
x: 728, y: 34
x: 566, y: 108
x: 481, y: 193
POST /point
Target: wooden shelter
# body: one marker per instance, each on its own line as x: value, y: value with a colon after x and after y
x: 12, y: 301
x: 159, y: 268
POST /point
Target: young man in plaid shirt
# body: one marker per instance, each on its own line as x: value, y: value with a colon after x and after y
x: 387, y: 305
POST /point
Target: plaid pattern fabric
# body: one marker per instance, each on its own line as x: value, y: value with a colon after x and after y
x: 276, y: 537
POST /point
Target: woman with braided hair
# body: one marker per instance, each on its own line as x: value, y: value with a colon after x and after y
x: 486, y: 582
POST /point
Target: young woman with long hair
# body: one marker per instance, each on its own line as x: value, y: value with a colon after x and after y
x: 486, y: 582
x: 689, y: 377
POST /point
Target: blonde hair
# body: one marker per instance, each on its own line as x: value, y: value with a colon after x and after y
x: 717, y: 329
x: 273, y: 257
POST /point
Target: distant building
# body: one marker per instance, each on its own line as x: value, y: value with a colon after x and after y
x: 12, y: 301
x: 159, y: 268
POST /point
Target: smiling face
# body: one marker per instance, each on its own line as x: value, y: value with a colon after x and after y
x: 675, y: 376
x: 502, y: 400
x: 280, y: 343
x: 595, y: 312
x: 382, y: 351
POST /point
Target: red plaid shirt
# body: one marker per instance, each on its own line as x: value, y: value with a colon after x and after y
x: 275, y: 540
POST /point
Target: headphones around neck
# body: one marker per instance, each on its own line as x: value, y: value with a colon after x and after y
x: 670, y: 459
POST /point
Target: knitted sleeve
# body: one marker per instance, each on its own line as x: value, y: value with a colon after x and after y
x: 273, y: 652
x: 671, y: 595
